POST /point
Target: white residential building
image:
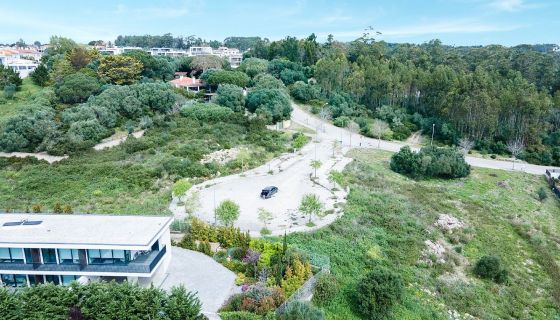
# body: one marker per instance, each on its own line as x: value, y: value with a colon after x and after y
x: 39, y: 248
x: 21, y: 60
x: 111, y: 51
x: 200, y: 51
x: 168, y: 52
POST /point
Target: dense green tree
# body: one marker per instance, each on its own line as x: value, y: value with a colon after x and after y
x: 60, y: 45
x: 253, y: 66
x: 120, y: 69
x: 40, y: 75
x: 231, y: 96
x: 227, y: 212
x: 77, y: 88
x: 216, y: 77
x: 153, y: 67
x: 267, y: 81
x: 304, y: 92
x: 272, y: 104
x: 9, y: 77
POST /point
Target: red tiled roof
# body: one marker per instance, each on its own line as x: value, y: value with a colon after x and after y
x: 186, y: 82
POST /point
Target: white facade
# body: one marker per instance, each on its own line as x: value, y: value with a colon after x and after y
x: 62, y: 248
x: 200, y: 51
x: 21, y: 60
x: 168, y: 52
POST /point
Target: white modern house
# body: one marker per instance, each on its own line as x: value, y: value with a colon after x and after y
x: 167, y: 52
x: 39, y: 248
x: 200, y: 51
x: 21, y: 60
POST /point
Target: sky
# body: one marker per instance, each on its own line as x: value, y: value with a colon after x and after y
x: 455, y: 22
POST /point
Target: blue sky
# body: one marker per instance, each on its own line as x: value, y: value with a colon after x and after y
x: 455, y: 22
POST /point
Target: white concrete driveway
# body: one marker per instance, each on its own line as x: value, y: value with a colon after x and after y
x: 212, y: 282
x: 291, y: 174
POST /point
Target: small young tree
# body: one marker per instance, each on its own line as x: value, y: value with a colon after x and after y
x: 182, y: 304
x: 326, y: 115
x: 264, y: 216
x: 489, y: 267
x: 180, y: 187
x: 316, y: 164
x: 541, y: 193
x: 378, y: 128
x: 353, y: 127
x: 335, y: 145
x: 515, y: 147
x: 299, y: 141
x: 311, y: 205
x: 244, y: 156
x: 466, y: 145
x: 227, y: 212
x: 377, y: 292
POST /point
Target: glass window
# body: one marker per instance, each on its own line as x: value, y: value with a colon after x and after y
x: 52, y: 278
x: 68, y: 256
x: 66, y: 280
x: 11, y: 255
x: 28, y: 255
x: 49, y: 256
x: 14, y: 280
x: 108, y: 256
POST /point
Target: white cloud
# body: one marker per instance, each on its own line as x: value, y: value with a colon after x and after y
x: 512, y: 5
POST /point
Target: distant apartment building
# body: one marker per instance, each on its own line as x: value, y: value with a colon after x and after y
x: 40, y: 248
x: 200, y: 51
x: 112, y: 51
x: 231, y: 54
x: 168, y: 52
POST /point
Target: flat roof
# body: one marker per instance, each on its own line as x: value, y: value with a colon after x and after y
x: 81, y: 230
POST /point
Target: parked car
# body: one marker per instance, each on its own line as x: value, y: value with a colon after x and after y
x: 268, y: 192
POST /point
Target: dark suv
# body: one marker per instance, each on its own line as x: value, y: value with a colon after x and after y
x: 268, y: 192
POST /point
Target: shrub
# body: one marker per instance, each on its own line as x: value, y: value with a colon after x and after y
x: 299, y: 310
x: 489, y: 267
x: 541, y: 193
x: 204, y: 247
x: 239, y: 315
x: 256, y: 299
x: 430, y: 162
x: 217, y: 77
x: 341, y: 122
x: 208, y: 112
x: 326, y: 289
x: 377, y: 292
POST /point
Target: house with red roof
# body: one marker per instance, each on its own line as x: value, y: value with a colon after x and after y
x: 189, y: 83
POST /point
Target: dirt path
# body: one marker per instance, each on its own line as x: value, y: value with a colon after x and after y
x: 38, y: 155
x: 116, y: 139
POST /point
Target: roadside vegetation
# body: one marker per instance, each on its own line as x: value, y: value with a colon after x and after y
x: 482, y: 246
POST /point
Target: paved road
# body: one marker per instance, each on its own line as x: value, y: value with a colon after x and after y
x: 199, y: 273
x: 332, y: 132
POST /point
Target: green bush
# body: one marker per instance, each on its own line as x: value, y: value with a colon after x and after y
x: 231, y: 96
x: 239, y: 315
x: 489, y: 267
x: 326, y: 289
x: 430, y: 162
x: 206, y: 112
x: 299, y: 310
x: 377, y: 292
x: 341, y: 122
x: 542, y: 194
x: 77, y: 87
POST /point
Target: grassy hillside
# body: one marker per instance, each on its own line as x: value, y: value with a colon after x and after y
x: 389, y: 217
x: 136, y: 176
x: 22, y: 97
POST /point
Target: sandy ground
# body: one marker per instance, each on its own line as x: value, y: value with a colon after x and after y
x: 116, y: 139
x: 38, y: 155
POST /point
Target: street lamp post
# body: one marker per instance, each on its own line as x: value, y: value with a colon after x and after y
x: 433, y: 131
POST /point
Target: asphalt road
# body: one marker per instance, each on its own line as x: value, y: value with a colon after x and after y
x: 332, y: 132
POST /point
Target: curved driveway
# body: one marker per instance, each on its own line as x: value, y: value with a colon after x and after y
x: 299, y: 115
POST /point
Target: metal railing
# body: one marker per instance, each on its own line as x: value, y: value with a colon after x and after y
x: 143, y: 264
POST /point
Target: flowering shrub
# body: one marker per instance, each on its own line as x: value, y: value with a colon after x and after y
x: 257, y: 299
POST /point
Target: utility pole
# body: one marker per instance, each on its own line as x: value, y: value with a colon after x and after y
x: 433, y: 131
x: 215, y: 218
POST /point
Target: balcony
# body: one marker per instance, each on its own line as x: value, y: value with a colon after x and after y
x: 142, y: 264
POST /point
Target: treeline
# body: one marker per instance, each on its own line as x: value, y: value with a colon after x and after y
x: 98, y: 300
x: 492, y: 95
